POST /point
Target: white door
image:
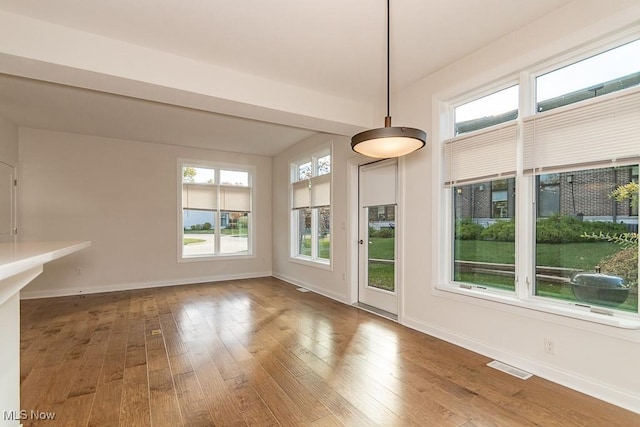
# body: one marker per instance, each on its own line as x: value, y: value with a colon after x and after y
x: 7, y: 202
x: 377, y: 237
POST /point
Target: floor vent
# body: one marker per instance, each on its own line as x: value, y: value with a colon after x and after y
x: 302, y: 290
x: 523, y: 375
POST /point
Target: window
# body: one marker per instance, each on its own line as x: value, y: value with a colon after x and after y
x: 502, y: 198
x: 311, y: 208
x: 216, y: 211
x: 549, y: 194
x: 568, y: 241
x: 483, y: 247
x: 499, y: 107
x: 598, y: 75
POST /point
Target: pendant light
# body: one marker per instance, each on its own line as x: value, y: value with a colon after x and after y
x: 388, y: 141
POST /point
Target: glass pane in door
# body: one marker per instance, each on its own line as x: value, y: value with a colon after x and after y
x: 382, y: 247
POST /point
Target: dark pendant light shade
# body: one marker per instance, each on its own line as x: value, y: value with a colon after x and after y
x: 388, y: 141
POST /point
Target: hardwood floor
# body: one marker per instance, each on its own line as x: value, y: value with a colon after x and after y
x: 257, y: 352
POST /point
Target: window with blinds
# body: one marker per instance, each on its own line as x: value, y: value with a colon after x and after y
x: 480, y: 170
x: 311, y: 207
x: 216, y: 211
x: 572, y: 163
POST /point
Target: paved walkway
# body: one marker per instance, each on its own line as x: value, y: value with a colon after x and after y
x: 228, y: 244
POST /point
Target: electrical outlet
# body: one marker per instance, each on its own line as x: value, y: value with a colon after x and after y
x: 549, y: 346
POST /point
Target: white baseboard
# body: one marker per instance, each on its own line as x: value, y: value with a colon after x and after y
x: 63, y: 292
x: 334, y: 296
x: 621, y: 398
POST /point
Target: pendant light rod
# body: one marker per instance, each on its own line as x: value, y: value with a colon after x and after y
x: 388, y: 64
x: 388, y: 141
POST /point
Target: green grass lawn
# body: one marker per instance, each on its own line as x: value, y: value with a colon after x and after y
x: 583, y: 256
x: 324, y: 243
x: 235, y: 231
x: 381, y: 276
x: 381, y: 247
x: 190, y: 241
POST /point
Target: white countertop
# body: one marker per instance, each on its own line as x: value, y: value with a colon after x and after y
x: 16, y: 258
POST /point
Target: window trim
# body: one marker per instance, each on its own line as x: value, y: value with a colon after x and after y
x: 523, y: 297
x: 251, y: 170
x: 294, y: 256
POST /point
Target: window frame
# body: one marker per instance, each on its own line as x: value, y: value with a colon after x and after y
x: 525, y: 210
x: 314, y: 259
x: 217, y: 166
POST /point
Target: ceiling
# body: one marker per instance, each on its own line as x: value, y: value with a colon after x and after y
x: 334, y: 47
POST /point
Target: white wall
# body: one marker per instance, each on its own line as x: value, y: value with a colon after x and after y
x: 332, y: 283
x: 9, y: 311
x: 8, y: 142
x: 596, y: 359
x: 122, y: 196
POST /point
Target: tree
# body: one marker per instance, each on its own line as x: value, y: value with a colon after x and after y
x: 628, y: 191
x: 188, y: 174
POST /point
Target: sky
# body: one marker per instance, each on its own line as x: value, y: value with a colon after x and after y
x: 604, y: 67
x: 207, y: 176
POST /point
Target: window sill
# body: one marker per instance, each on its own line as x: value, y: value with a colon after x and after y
x: 566, y: 309
x: 319, y: 263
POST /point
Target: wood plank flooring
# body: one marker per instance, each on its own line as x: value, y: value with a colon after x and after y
x: 257, y: 352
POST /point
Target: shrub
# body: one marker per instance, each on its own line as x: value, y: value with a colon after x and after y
x: 569, y: 229
x: 386, y: 233
x: 206, y: 226
x: 502, y: 231
x: 468, y: 230
x: 623, y: 263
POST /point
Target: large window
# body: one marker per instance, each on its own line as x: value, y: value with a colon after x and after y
x: 216, y: 211
x: 311, y: 208
x: 569, y: 240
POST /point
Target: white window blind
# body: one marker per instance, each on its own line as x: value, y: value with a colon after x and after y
x: 594, y: 133
x: 481, y: 156
x: 301, y: 194
x: 379, y: 188
x: 235, y: 198
x: 321, y: 191
x: 199, y: 197
x: 312, y: 193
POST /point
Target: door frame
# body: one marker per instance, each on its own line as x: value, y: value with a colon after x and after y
x: 353, y: 232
